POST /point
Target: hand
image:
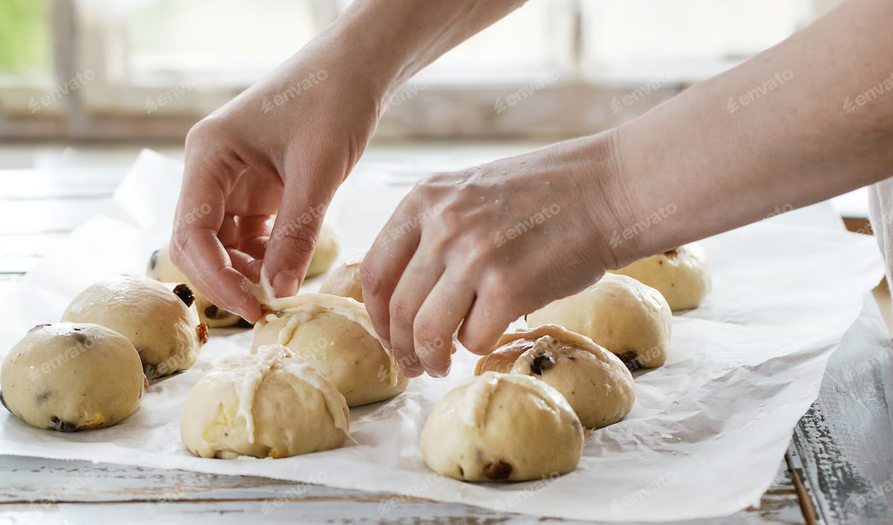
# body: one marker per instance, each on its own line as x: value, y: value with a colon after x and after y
x: 281, y: 148
x: 487, y: 245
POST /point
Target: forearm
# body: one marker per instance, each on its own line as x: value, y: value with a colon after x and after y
x: 724, y: 164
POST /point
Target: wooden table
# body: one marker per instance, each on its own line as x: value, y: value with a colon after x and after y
x: 818, y: 481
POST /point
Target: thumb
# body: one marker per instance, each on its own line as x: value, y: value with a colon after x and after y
x: 294, y: 236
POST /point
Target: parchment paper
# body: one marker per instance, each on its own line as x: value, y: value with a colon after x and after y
x: 705, y: 436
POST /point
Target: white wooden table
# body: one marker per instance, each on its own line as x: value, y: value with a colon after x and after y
x: 37, y: 209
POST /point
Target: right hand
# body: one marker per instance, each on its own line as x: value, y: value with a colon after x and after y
x: 280, y: 148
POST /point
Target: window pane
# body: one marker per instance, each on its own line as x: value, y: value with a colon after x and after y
x: 24, y: 38
x: 240, y: 39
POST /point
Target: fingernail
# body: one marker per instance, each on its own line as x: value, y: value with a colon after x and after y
x: 285, y: 283
x: 439, y: 374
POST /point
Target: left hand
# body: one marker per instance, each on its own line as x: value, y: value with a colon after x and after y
x: 484, y: 246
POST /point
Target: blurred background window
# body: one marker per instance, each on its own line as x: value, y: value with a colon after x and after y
x: 157, y: 66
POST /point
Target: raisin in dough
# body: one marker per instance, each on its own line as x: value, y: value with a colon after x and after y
x: 344, y: 281
x: 336, y: 336
x: 70, y: 377
x: 595, y: 382
x: 162, y: 268
x: 502, y: 427
x: 628, y: 318
x: 326, y: 251
x: 269, y: 404
x: 682, y: 275
x: 161, y: 323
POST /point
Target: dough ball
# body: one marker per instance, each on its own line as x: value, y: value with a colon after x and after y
x: 271, y: 404
x: 161, y: 323
x: 336, y: 336
x: 682, y: 275
x: 595, y: 382
x: 502, y: 427
x: 344, y: 281
x: 162, y: 269
x: 619, y: 313
x: 326, y: 251
x: 70, y: 377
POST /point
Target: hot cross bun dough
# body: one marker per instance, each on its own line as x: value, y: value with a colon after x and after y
x: 502, y: 427
x: 71, y: 377
x: 682, y: 275
x: 326, y: 251
x: 344, y: 281
x: 162, y: 268
x: 595, y: 382
x: 161, y: 323
x: 336, y: 336
x: 628, y: 318
x: 271, y: 404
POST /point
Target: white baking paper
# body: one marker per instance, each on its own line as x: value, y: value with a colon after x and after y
x: 705, y: 437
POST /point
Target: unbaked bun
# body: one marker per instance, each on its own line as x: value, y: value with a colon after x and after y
x: 344, y: 281
x: 162, y: 268
x: 682, y: 275
x: 161, y: 323
x: 70, y: 377
x: 595, y: 382
x: 502, y: 427
x: 326, y: 251
x: 270, y: 404
x: 336, y: 336
x: 626, y: 317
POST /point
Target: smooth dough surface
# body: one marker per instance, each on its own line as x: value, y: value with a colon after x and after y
x: 269, y: 404
x: 682, y: 275
x: 595, y: 382
x: 336, y: 336
x: 163, y: 328
x: 502, y: 427
x: 326, y: 251
x: 162, y: 268
x: 71, y: 377
x: 344, y: 281
x: 628, y: 318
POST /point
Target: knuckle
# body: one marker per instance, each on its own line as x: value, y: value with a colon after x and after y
x: 295, y: 239
x: 401, y: 315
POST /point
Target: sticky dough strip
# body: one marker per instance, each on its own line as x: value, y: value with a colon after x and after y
x: 344, y: 306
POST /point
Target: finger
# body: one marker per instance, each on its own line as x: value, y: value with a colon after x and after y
x: 415, y: 284
x: 489, y: 317
x: 195, y: 248
x: 294, y: 234
x: 244, y: 264
x: 383, y: 266
x: 228, y: 232
x: 438, y: 318
x: 254, y: 232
